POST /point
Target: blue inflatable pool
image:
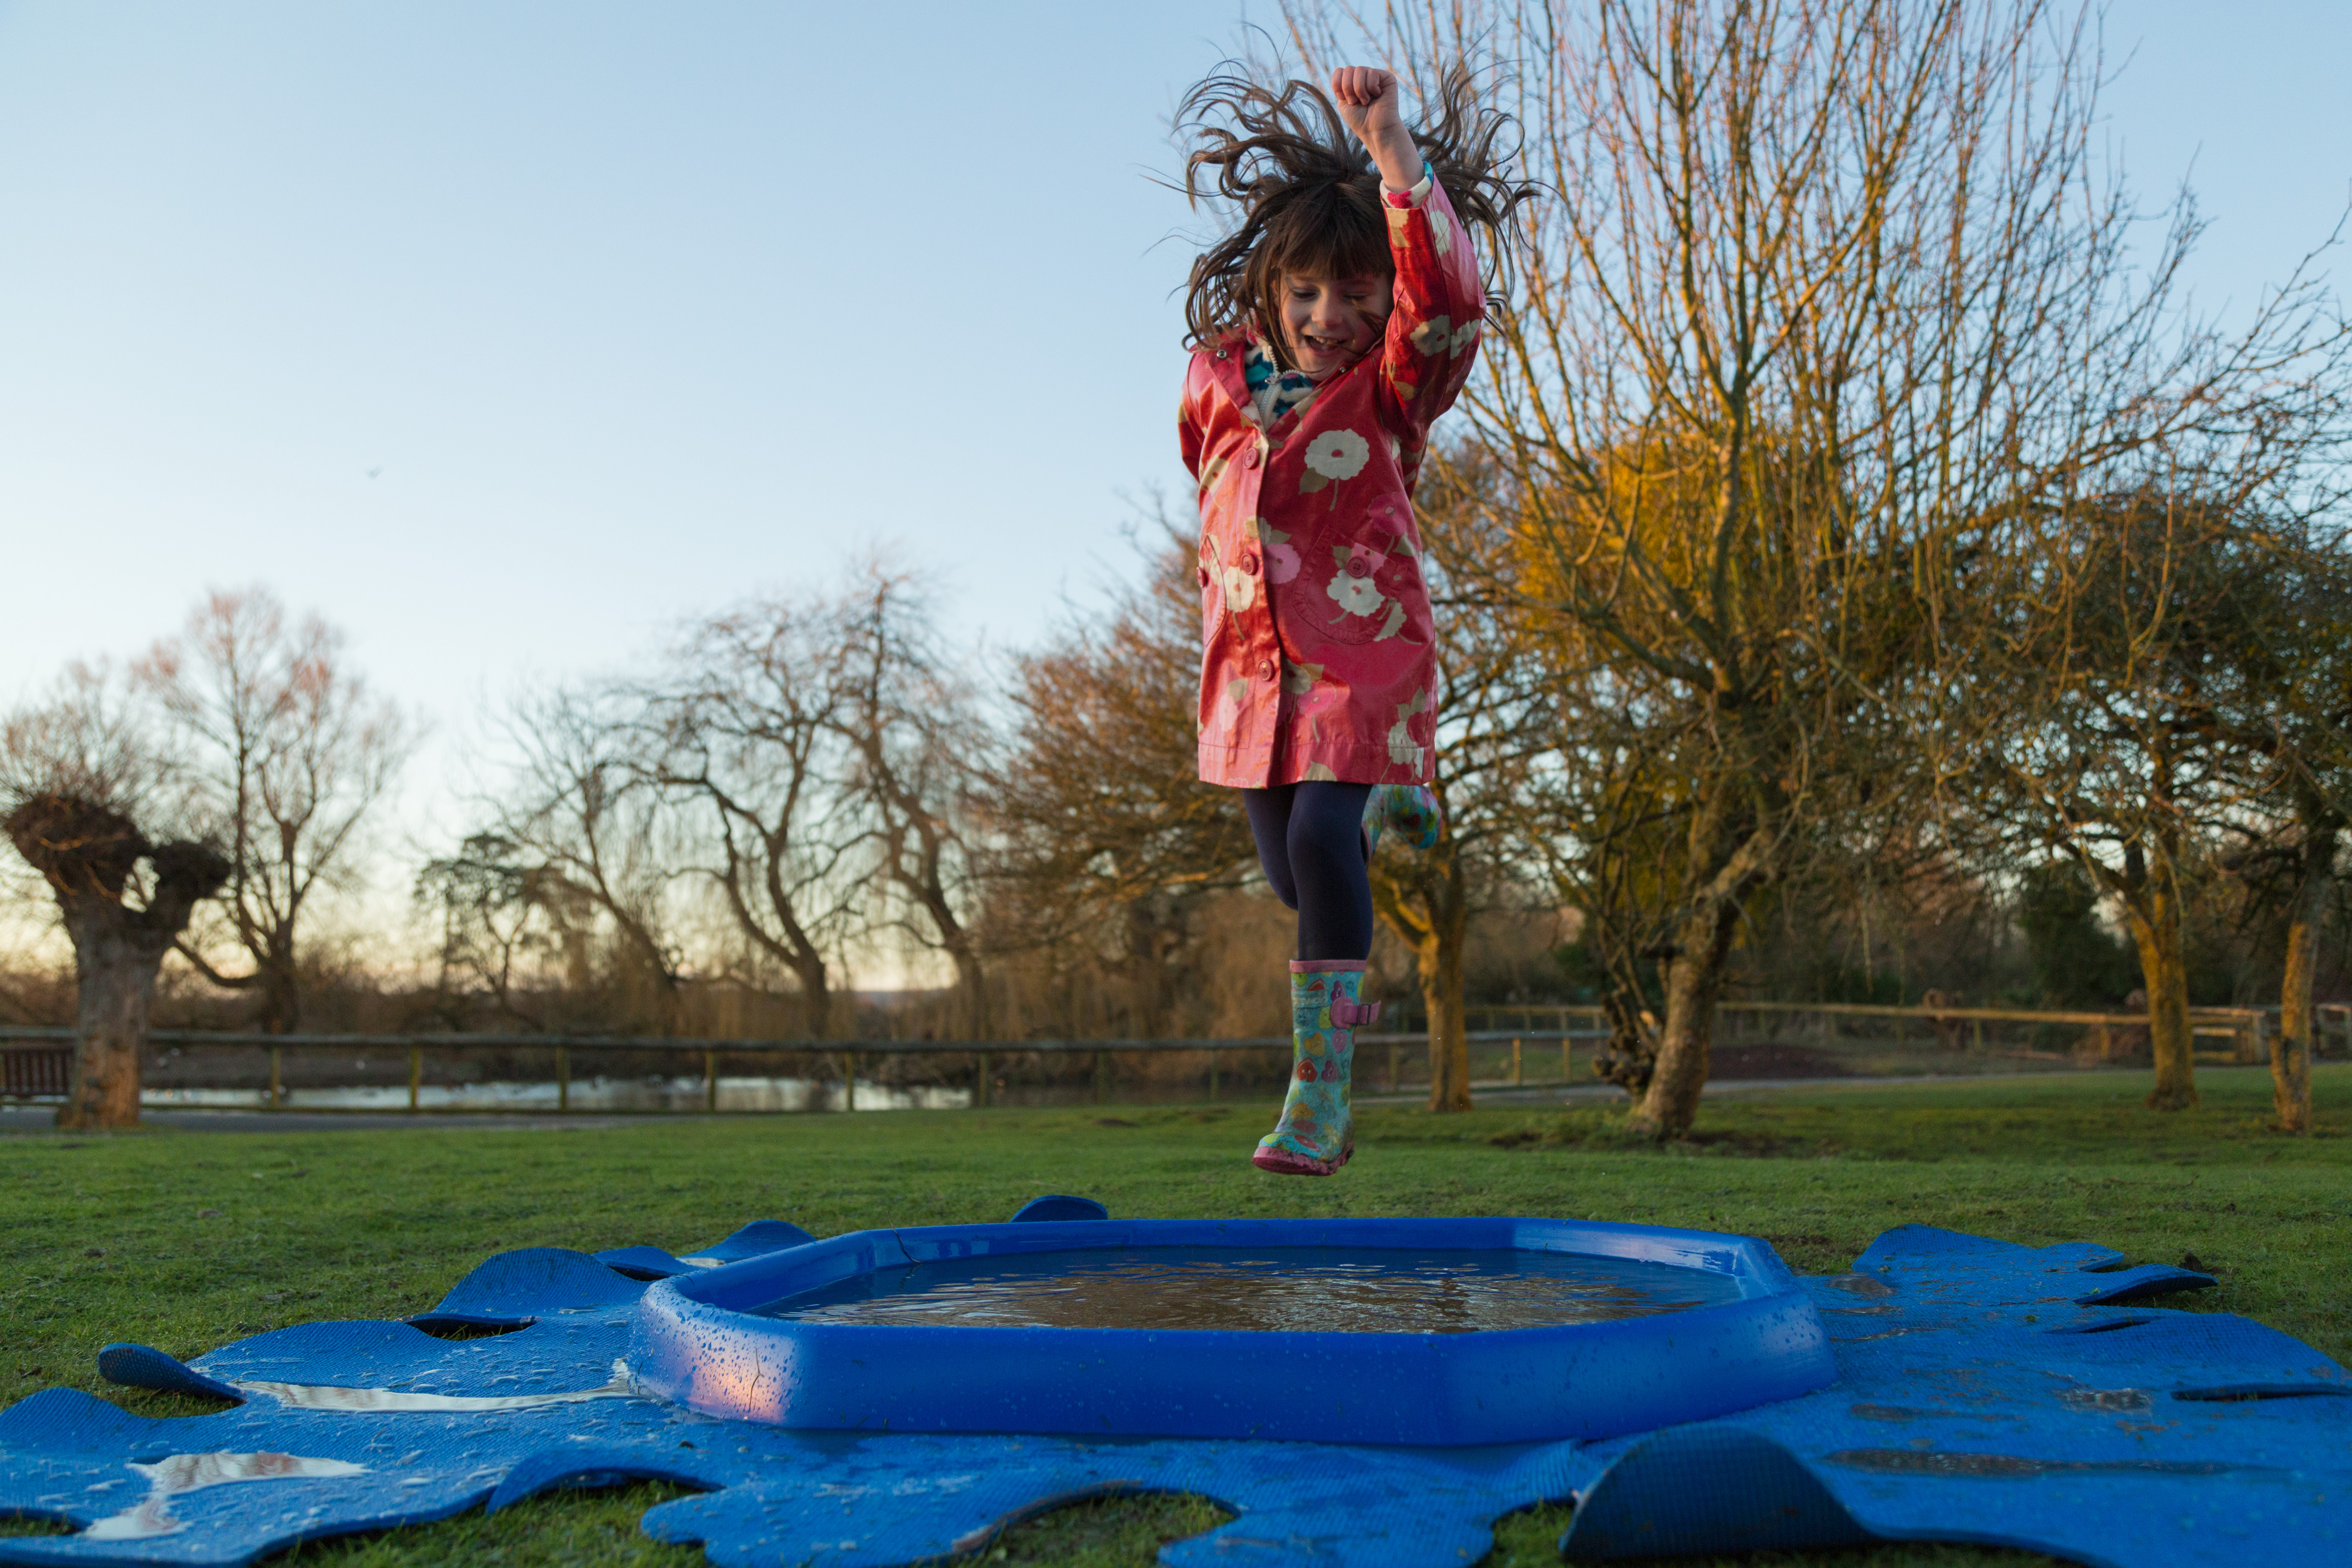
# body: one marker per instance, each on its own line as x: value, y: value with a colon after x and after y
x: 1447, y: 1332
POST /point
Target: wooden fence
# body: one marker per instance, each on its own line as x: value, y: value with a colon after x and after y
x: 1845, y: 1040
x: 41, y: 1059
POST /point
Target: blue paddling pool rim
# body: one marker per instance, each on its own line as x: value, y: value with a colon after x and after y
x: 699, y: 1341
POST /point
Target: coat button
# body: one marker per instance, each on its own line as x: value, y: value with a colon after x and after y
x: 1358, y: 567
x: 1265, y: 669
x: 1249, y: 560
x: 1249, y: 458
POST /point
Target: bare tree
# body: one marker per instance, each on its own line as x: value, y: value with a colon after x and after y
x: 73, y: 771
x: 910, y: 720
x: 795, y: 765
x: 738, y: 735
x: 287, y: 750
x: 585, y: 818
x: 1099, y: 803
x: 1827, y: 297
x: 1097, y: 831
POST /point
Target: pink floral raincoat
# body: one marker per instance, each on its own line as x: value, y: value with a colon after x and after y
x: 1318, y: 658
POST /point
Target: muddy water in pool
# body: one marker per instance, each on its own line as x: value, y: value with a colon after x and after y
x: 1289, y: 1289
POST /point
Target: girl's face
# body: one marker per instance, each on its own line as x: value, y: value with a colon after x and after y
x: 1328, y: 323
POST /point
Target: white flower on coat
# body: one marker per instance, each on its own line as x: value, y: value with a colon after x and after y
x: 1320, y: 772
x: 1402, y: 750
x: 1354, y: 596
x: 1338, y: 454
x: 1441, y: 233
x: 1241, y: 590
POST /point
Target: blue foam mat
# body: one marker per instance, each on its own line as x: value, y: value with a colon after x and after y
x: 1987, y: 1392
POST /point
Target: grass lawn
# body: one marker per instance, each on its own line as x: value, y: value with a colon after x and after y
x: 186, y: 1240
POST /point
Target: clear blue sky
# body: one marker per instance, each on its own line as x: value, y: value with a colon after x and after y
x: 635, y: 309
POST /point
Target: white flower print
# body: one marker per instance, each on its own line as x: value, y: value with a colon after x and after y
x: 1441, y: 233
x: 1402, y: 750
x: 1298, y: 680
x: 1433, y: 337
x: 1241, y: 590
x: 1320, y: 772
x: 1338, y: 454
x: 1354, y: 596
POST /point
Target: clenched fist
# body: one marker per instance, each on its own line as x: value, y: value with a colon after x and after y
x: 1368, y: 100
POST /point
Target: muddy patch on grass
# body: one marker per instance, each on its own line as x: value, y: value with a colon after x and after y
x: 1588, y: 1133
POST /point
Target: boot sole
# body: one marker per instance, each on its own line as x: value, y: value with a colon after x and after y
x: 1286, y: 1165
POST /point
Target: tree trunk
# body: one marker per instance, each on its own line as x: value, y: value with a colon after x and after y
x: 115, y: 963
x: 971, y: 980
x: 1441, y: 995
x: 281, y: 993
x: 1694, y: 984
x: 2153, y: 912
x: 86, y: 852
x: 2291, y: 1047
x: 1430, y: 908
x: 816, y: 999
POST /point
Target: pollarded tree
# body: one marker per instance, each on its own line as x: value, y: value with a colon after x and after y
x: 73, y: 771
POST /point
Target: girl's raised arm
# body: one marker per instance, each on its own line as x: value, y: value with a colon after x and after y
x: 1367, y: 97
x: 1437, y: 299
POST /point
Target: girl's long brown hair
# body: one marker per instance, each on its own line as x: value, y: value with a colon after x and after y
x: 1309, y: 196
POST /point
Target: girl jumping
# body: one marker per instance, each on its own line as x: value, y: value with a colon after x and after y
x: 1328, y: 330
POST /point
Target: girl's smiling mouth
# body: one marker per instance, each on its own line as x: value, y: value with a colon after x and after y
x: 1328, y: 323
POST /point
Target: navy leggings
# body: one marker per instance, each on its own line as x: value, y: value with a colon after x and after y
x: 1310, y: 841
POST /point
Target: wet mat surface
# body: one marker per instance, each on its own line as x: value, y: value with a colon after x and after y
x: 1288, y: 1289
x: 1988, y: 1393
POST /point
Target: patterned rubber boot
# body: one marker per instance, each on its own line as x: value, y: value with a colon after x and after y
x: 1318, y: 1131
x: 1411, y: 809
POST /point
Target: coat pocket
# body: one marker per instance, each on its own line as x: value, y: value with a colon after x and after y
x: 1363, y: 589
